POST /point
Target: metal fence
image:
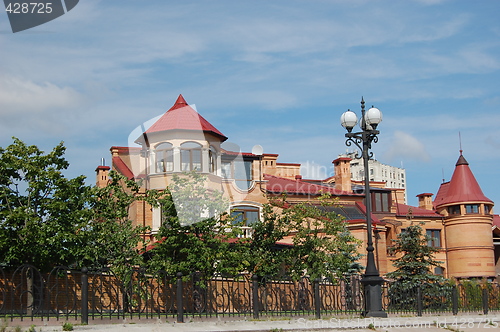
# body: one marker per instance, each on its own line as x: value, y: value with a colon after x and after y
x: 26, y: 293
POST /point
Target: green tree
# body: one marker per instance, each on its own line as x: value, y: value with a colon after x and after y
x: 264, y: 256
x: 196, y: 234
x: 39, y: 207
x: 413, y: 269
x: 110, y: 238
x: 48, y: 220
x: 322, y: 244
x: 416, y: 258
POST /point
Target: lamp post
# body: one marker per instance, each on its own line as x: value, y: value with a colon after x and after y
x: 371, y: 280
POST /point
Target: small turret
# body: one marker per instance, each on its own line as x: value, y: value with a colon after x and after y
x: 102, y: 173
x: 468, y: 222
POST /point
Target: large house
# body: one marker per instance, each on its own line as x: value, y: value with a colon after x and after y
x: 459, y: 221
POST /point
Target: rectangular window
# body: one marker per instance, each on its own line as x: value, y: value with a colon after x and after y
x: 191, y: 160
x: 246, y: 215
x: 196, y: 160
x: 380, y: 202
x: 165, y: 161
x: 185, y: 157
x: 434, y: 238
x: 471, y: 208
x: 486, y: 209
x: 455, y: 209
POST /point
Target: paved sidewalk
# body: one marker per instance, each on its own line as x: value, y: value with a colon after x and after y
x: 466, y: 323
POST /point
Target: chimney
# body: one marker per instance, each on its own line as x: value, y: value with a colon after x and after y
x: 298, y: 177
x: 425, y: 201
x: 102, y: 172
x: 342, y: 168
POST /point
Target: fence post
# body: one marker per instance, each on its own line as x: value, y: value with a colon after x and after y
x: 454, y: 298
x: 85, y: 296
x: 485, y: 300
x: 419, y: 301
x: 255, y: 296
x: 317, y: 299
x: 180, y: 304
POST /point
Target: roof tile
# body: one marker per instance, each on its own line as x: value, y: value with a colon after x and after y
x: 184, y: 117
x: 462, y: 187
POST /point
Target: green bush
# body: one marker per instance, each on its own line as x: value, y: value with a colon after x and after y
x: 67, y: 327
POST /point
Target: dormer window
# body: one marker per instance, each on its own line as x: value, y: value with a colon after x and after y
x: 164, y: 156
x: 381, y: 201
x: 190, y: 157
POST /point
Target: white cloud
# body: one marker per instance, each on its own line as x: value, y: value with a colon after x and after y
x: 19, y: 97
x: 406, y: 147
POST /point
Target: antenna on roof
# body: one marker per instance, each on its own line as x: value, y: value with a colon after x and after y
x: 460, y: 141
x: 442, y: 170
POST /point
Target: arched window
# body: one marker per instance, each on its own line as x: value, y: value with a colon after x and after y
x: 212, y: 159
x: 164, y: 156
x: 240, y: 171
x: 190, y: 157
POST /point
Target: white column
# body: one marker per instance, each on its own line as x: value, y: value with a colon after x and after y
x: 204, y: 160
x: 177, y: 159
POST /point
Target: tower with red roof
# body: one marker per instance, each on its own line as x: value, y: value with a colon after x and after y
x: 468, y: 223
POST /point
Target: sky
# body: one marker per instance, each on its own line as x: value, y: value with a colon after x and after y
x: 275, y: 73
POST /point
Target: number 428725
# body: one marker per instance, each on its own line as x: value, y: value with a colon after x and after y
x: 29, y: 7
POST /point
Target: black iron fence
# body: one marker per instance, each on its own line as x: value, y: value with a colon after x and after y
x: 26, y: 293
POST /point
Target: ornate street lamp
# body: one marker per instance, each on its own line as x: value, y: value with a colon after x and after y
x: 371, y: 280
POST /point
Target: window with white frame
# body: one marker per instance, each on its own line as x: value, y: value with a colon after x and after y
x: 190, y: 157
x: 240, y: 171
x: 164, y: 156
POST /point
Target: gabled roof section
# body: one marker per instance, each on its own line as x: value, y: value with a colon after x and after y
x: 280, y: 185
x: 403, y: 210
x: 462, y: 187
x: 121, y: 167
x: 496, y: 220
x: 442, y: 192
x: 181, y: 116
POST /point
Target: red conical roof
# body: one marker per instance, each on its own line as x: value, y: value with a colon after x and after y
x: 462, y: 187
x: 181, y: 116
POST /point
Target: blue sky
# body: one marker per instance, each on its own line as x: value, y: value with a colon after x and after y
x: 274, y: 73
